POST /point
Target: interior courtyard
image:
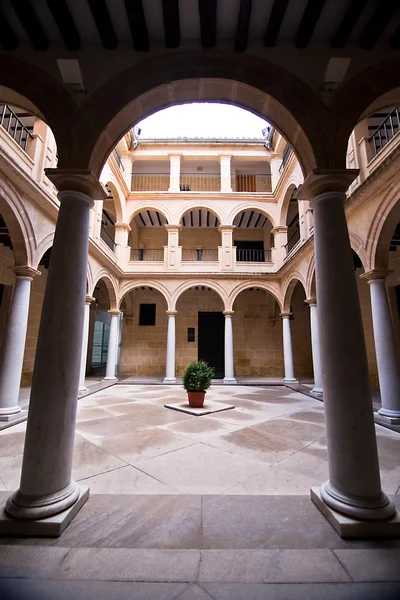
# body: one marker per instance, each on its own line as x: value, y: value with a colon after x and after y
x: 271, y: 254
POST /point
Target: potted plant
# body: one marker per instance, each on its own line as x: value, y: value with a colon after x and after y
x: 196, y: 380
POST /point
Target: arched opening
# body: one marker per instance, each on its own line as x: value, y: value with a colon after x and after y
x: 252, y: 236
x: 292, y: 222
x: 200, y: 329
x: 199, y: 236
x: 148, y: 236
x: 144, y: 334
x: 99, y: 330
x: 300, y: 331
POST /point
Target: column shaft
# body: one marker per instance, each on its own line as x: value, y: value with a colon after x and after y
x: 354, y: 486
x: 46, y: 487
x: 85, y: 341
x: 170, y: 367
x: 385, y: 348
x: 229, y: 362
x: 316, y: 352
x: 287, y: 350
x: 112, y: 352
x: 13, y: 347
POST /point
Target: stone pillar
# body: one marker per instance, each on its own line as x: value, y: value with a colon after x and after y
x: 385, y: 348
x: 287, y: 349
x: 13, y: 346
x: 316, y: 354
x: 170, y: 368
x: 354, y: 487
x: 174, y: 172
x: 174, y: 251
x: 225, y: 164
x: 280, y: 241
x: 226, y: 252
x: 275, y: 162
x: 122, y: 248
x: 46, y: 488
x: 85, y: 340
x: 112, y: 352
x: 229, y: 363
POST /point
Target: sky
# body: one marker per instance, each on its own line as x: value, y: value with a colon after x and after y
x: 202, y: 120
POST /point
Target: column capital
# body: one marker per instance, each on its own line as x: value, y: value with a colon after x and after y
x: 89, y: 299
x: 320, y: 181
x: 25, y: 271
x: 172, y: 227
x: 171, y: 313
x: 279, y: 229
x: 228, y: 313
x: 175, y: 154
x: 123, y: 226
x: 378, y: 274
x: 311, y: 301
x: 226, y: 227
x: 77, y: 180
x: 114, y: 312
x: 221, y: 155
x: 285, y: 315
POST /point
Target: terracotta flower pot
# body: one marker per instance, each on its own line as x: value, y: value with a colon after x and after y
x: 196, y: 399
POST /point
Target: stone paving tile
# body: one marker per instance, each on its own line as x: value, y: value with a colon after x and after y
x: 371, y: 565
x: 126, y: 480
x: 274, y: 480
x: 89, y: 459
x: 201, y: 428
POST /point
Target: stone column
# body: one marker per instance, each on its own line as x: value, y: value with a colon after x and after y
x: 174, y: 172
x: 226, y: 250
x: 229, y: 362
x: 225, y: 164
x: 287, y: 349
x: 112, y: 352
x: 316, y: 354
x: 385, y: 347
x: 280, y: 241
x: 275, y: 162
x: 13, y: 346
x: 170, y: 368
x: 122, y: 249
x: 354, y: 487
x: 46, y: 487
x: 173, y: 250
x: 85, y: 340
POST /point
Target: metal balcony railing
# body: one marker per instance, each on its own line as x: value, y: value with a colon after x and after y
x: 150, y: 254
x: 200, y: 182
x: 150, y: 182
x: 253, y: 255
x: 117, y: 157
x: 286, y: 155
x: 200, y: 254
x: 106, y: 237
x: 15, y: 127
x: 386, y: 130
x: 292, y: 241
x: 251, y: 182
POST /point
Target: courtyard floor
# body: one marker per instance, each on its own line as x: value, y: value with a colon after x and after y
x: 203, y: 507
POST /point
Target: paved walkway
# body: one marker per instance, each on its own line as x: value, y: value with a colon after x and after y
x: 199, y: 507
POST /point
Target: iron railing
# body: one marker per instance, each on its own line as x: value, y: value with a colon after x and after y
x: 200, y: 254
x: 117, y: 157
x: 285, y: 158
x: 200, y: 182
x: 253, y: 255
x: 150, y: 182
x: 292, y: 241
x: 386, y: 130
x: 15, y: 127
x: 251, y: 182
x: 150, y: 254
x: 106, y: 237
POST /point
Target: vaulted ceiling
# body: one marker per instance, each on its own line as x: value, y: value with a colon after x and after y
x: 232, y: 24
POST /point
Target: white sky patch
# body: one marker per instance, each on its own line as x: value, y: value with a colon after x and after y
x: 202, y: 120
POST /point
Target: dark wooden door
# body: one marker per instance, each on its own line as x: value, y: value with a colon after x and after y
x: 211, y: 330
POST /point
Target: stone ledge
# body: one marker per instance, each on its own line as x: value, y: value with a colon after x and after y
x: 352, y: 528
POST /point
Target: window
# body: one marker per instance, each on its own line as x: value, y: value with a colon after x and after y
x: 147, y: 314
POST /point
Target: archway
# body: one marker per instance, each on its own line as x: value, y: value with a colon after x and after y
x: 252, y: 236
x: 99, y: 328
x: 148, y: 235
x: 199, y: 236
x: 300, y: 327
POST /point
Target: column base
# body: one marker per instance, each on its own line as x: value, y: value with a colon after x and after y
x: 49, y: 527
x: 229, y: 381
x: 13, y: 416
x: 348, y: 527
x: 289, y: 380
x: 169, y: 380
x: 390, y: 417
x: 110, y: 379
x: 318, y: 391
x: 82, y: 389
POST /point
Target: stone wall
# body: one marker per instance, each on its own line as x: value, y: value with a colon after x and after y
x: 301, y: 334
x: 7, y: 279
x: 35, y: 310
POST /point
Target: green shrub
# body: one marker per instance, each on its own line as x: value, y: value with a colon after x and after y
x: 197, y: 376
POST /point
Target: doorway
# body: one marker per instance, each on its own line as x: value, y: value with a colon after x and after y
x: 211, y: 346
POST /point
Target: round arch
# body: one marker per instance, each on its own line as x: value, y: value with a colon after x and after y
x: 258, y: 206
x: 132, y: 285
x: 183, y: 287
x: 146, y: 205
x: 288, y: 289
x: 199, y: 204
x: 263, y: 285
x: 255, y: 84
x: 111, y: 285
x: 311, y: 291
x: 42, y: 248
x: 358, y: 245
x: 119, y: 212
x: 292, y: 185
x: 18, y: 223
x: 387, y: 216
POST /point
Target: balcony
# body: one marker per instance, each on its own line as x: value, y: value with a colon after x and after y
x: 251, y: 183
x: 200, y: 254
x: 259, y: 183
x: 147, y: 254
x: 15, y: 127
x: 386, y: 130
x: 150, y: 182
x: 253, y: 255
x: 107, y: 239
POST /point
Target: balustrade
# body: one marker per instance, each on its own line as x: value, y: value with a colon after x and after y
x: 200, y: 254
x: 386, y: 130
x: 150, y: 254
x: 15, y: 127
